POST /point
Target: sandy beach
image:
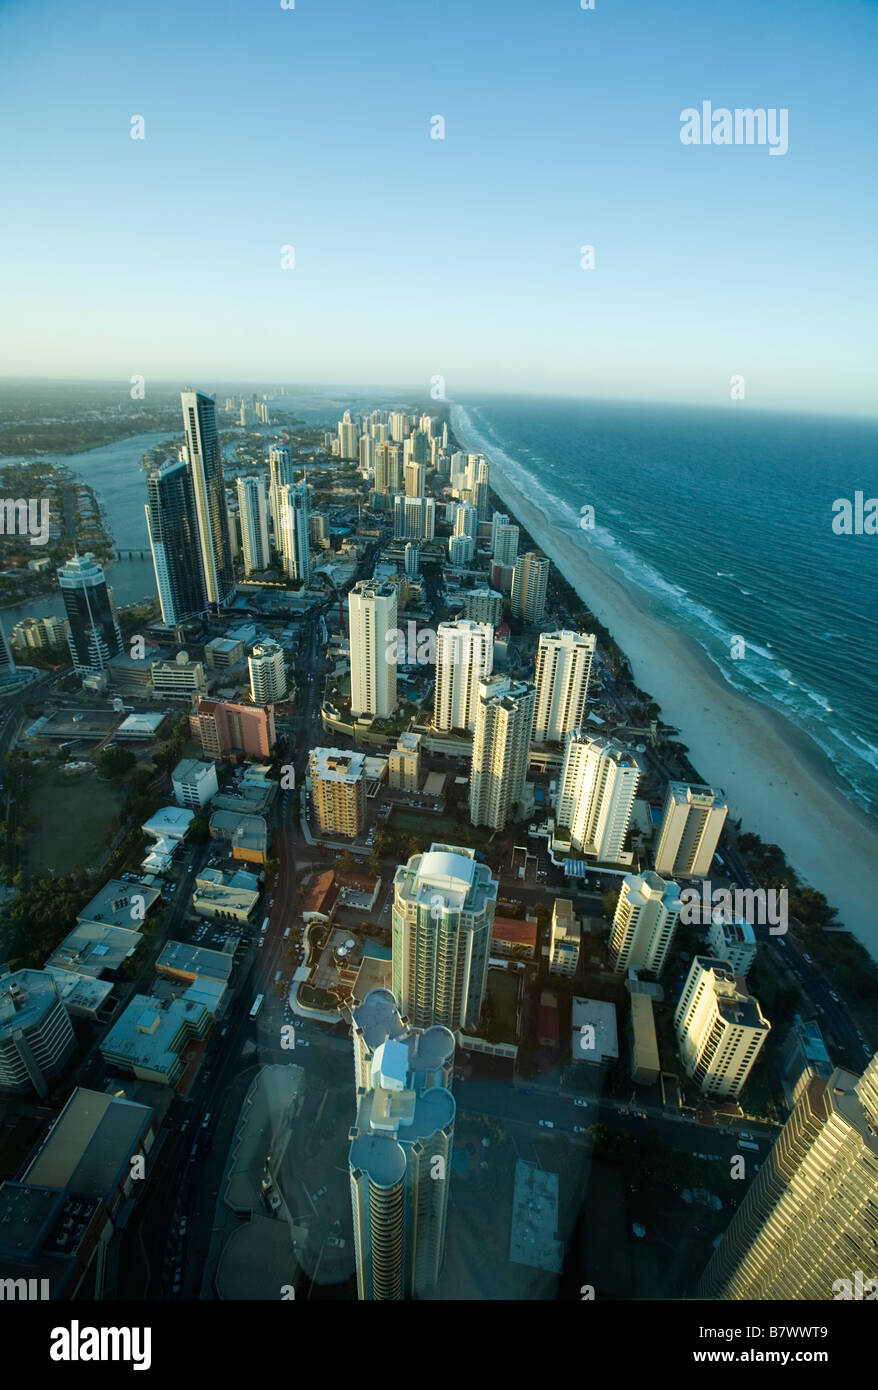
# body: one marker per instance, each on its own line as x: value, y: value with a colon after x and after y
x: 776, y: 780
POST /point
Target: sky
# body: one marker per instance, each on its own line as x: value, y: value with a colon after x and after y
x: 418, y: 259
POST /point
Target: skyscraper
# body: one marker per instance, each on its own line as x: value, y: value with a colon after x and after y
x: 483, y: 606
x: 294, y: 505
x: 530, y: 582
x: 388, y: 468
x: 464, y: 656
x: 505, y: 544
x: 173, y: 539
x: 348, y: 436
x: 501, y: 747
x: 807, y: 1223
x: 692, y: 823
x: 443, y: 914
x: 720, y: 1030
x: 253, y: 511
x: 400, y: 1154
x: 563, y: 668
x: 461, y: 550
x: 268, y: 677
x: 596, y: 792
x: 644, y: 923
x: 466, y: 520
x: 204, y: 457
x: 412, y: 560
x: 414, y: 518
x: 94, y: 635
x: 372, y: 623
x: 280, y: 472
x: 414, y: 478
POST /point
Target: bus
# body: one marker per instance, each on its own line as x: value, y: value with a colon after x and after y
x: 257, y: 1005
x: 264, y: 927
x: 287, y: 932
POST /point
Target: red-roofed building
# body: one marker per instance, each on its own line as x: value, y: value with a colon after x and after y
x: 512, y: 937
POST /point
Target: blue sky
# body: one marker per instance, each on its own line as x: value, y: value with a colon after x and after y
x: 459, y: 257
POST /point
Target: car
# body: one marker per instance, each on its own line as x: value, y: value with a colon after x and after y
x: 261, y: 942
x: 335, y: 1242
x: 321, y: 1191
x: 582, y: 1103
x: 302, y: 1043
x: 178, y: 1280
x: 183, y: 1224
x: 547, y: 1124
x: 206, y: 1121
x: 271, y: 903
x: 577, y: 1129
x: 835, y: 996
x: 806, y: 957
x: 866, y: 1051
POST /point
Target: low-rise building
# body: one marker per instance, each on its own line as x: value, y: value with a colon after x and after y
x: 185, y: 962
x: 179, y: 679
x: 225, y: 897
x: 152, y: 1035
x: 803, y: 1057
x: 514, y: 937
x: 645, y: 1065
x: 564, y: 939
x: 405, y: 763
x: 245, y: 833
x: 594, y: 1037
x: 170, y: 823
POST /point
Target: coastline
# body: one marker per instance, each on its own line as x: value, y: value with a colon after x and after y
x: 776, y: 780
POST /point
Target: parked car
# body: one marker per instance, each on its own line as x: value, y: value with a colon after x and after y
x: 547, y: 1124
x: 577, y: 1129
x: 582, y: 1103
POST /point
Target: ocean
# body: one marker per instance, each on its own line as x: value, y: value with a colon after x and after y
x: 721, y: 520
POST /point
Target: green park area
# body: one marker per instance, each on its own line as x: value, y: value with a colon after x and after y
x: 73, y: 816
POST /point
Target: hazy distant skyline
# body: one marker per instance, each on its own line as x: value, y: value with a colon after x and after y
x: 460, y: 258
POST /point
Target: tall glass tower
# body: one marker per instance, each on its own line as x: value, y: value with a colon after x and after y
x: 204, y: 456
x: 173, y: 538
x: 94, y: 635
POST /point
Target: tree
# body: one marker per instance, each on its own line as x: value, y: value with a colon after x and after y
x: 609, y: 902
x: 345, y: 862
x: 113, y: 762
x: 199, y: 829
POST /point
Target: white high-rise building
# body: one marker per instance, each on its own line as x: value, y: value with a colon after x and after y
x: 461, y: 550
x: 400, y: 1154
x: 280, y: 472
x: 692, y: 823
x: 645, y: 920
x: 458, y: 471
x: 399, y: 425
x: 442, y: 918
x: 294, y: 504
x: 563, y: 668
x: 720, y: 1031
x: 466, y: 521
x: 505, y: 547
x: 464, y: 657
x: 412, y: 560
x: 530, y: 582
x: 268, y: 677
x: 348, y: 438
x: 501, y: 748
x: 372, y: 625
x: 367, y: 454
x: 564, y: 939
x: 497, y: 520
x: 596, y: 792
x: 253, y: 511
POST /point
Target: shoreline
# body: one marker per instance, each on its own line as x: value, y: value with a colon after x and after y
x: 777, y: 781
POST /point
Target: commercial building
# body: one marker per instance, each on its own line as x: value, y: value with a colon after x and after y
x: 178, y: 679
x: 36, y: 1035
x: 186, y: 963
x: 644, y: 923
x: 483, y: 606
x: 720, y: 1030
x: 194, y: 783
x: 94, y: 635
x: 595, y: 1038
x: 501, y: 746
x: 692, y: 822
x: 596, y: 792
x: 564, y: 939
x: 169, y: 823
x: 404, y: 763
x: 94, y: 950
x: 338, y: 790
x: 372, y: 624
x: 151, y: 1036
x: 174, y: 541
x: 253, y: 511
x: 222, y: 653
x: 443, y: 913
x: 400, y: 1154
x: 204, y: 456
x: 234, y: 731
x: 805, y: 1229
x: 464, y: 657
x: 563, y: 668
x: 268, y: 676
x: 530, y: 581
x: 225, y: 897
x: 245, y: 833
